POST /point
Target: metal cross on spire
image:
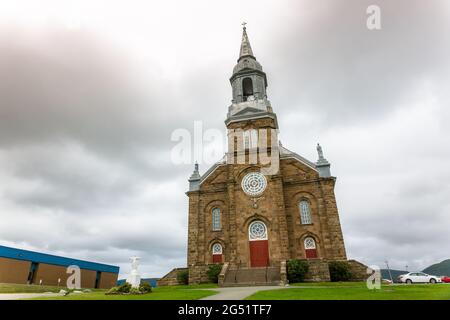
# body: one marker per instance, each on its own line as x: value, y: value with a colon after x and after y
x: 244, y: 24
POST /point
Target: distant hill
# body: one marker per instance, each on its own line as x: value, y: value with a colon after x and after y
x: 439, y: 269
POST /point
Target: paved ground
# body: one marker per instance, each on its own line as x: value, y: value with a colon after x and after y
x: 238, y: 293
x: 15, y: 296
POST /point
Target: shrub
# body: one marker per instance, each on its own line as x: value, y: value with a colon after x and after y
x: 135, y: 291
x: 213, y: 272
x: 183, y: 277
x: 339, y: 271
x: 296, y: 270
x: 68, y: 291
x: 124, y: 288
x: 113, y: 290
x: 145, y: 287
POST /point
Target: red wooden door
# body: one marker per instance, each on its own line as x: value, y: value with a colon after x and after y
x: 311, y: 253
x: 259, y: 253
x: 217, y: 258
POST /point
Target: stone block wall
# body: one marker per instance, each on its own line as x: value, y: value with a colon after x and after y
x: 318, y: 271
x: 359, y: 270
x: 198, y: 274
x: 171, y: 279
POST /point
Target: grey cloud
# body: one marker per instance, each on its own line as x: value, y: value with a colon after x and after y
x: 333, y: 66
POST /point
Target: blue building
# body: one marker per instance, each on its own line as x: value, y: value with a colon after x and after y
x: 30, y: 267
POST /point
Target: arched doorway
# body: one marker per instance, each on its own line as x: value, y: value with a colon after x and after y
x: 217, y: 253
x: 310, y: 248
x: 259, y: 244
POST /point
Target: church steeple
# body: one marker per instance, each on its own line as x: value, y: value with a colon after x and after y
x: 249, y: 84
x: 248, y: 81
x: 246, y: 48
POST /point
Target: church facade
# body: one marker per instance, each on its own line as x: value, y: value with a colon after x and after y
x: 262, y: 204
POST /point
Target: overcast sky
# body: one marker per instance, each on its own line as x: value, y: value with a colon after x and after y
x: 90, y: 92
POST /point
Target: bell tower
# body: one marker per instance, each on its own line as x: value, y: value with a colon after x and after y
x: 248, y: 81
x: 250, y: 114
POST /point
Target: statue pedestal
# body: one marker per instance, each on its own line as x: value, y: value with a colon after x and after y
x: 134, y: 279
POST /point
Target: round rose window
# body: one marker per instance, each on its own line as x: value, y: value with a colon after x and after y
x: 257, y: 231
x: 254, y: 183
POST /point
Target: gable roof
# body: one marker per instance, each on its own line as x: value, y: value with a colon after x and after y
x: 212, y: 169
x: 248, y: 110
x: 286, y: 153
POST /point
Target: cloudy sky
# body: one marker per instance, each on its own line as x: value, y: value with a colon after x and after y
x: 91, y: 91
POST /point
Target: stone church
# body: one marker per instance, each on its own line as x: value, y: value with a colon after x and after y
x: 252, y: 218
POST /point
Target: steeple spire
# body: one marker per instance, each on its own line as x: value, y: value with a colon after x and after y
x: 246, y: 48
x: 249, y: 84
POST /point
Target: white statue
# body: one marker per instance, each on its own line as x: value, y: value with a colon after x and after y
x: 135, y: 278
x: 320, y: 151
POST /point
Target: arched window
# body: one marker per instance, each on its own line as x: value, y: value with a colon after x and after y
x: 257, y: 231
x: 310, y: 248
x: 310, y: 243
x: 217, y: 248
x: 305, y: 212
x: 247, y: 88
x: 216, y: 225
x: 217, y: 253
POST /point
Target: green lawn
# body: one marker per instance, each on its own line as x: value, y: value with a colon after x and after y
x: 159, y: 293
x: 355, y: 291
x: 26, y: 288
x: 329, y: 284
x: 298, y: 291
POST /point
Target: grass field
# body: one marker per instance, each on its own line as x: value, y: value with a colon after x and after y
x: 297, y: 291
x: 159, y: 293
x: 25, y: 288
x: 355, y: 291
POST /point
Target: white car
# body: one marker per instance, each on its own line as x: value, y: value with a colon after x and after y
x: 418, y: 277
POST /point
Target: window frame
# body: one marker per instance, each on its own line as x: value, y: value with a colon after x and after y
x: 252, y: 236
x: 216, y: 219
x: 218, y: 244
x: 313, y: 241
x: 305, y: 218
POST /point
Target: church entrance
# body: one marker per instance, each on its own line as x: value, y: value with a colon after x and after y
x: 259, y: 244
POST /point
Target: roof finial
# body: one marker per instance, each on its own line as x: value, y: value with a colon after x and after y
x: 319, y: 151
x: 244, y: 24
x: 194, y: 179
x: 322, y: 165
x: 196, y: 174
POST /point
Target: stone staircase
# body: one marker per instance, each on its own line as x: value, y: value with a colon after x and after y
x: 171, y: 279
x: 263, y: 276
